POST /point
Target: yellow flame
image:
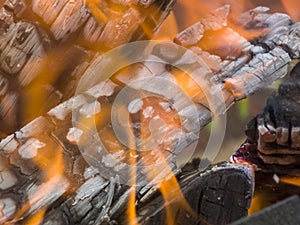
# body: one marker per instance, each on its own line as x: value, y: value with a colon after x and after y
x: 187, y: 84
x: 36, y: 218
x: 168, y: 29
x: 265, y: 197
x: 171, y: 192
x: 95, y: 7
x: 170, y: 188
x: 169, y: 196
x: 193, y: 10
x: 131, y: 210
x: 291, y: 180
x: 256, y: 203
x: 54, y: 165
x: 45, y: 74
x: 51, y: 162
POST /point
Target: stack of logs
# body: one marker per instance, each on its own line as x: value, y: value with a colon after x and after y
x: 47, y: 46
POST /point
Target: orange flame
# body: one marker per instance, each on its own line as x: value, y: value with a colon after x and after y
x: 37, y: 218
x: 291, y: 180
x: 45, y: 73
x: 265, y: 195
x: 189, y: 86
x: 292, y: 8
x: 193, y: 10
x: 171, y: 192
x: 168, y: 29
x: 256, y: 203
x: 51, y: 162
x: 170, y: 188
x: 95, y: 7
x: 131, y: 210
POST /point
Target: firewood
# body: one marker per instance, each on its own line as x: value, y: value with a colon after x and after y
x: 273, y: 135
x: 42, y: 167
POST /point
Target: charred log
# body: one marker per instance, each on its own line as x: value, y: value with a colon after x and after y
x: 273, y: 136
x: 219, y: 195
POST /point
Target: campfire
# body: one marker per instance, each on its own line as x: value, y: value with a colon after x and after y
x: 103, y: 104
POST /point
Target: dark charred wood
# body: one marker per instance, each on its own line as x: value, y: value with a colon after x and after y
x: 273, y: 136
x: 282, y: 213
x: 218, y: 195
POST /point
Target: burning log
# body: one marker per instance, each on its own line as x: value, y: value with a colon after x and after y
x: 42, y: 163
x: 220, y: 194
x: 46, y: 45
